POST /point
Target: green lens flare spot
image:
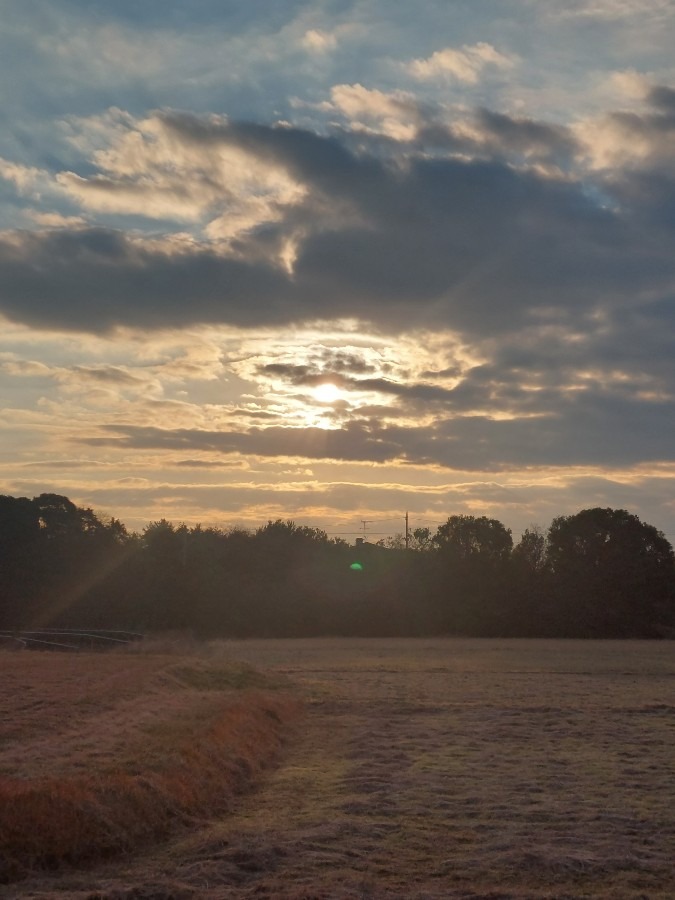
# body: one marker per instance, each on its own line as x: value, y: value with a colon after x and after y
x: 356, y: 567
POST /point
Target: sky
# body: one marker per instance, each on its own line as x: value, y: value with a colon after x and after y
x: 334, y: 261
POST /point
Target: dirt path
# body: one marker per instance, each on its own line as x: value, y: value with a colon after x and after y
x: 443, y: 769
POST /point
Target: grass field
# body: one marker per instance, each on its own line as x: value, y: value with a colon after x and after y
x: 101, y: 753
x: 436, y: 768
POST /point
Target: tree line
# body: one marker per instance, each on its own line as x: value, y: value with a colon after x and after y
x: 600, y: 573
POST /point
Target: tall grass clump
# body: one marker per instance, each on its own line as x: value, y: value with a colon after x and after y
x: 50, y: 820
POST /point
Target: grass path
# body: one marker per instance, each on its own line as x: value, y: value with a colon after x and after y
x: 432, y: 769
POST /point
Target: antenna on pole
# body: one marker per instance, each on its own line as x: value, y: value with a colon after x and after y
x: 364, y: 524
x: 407, y: 531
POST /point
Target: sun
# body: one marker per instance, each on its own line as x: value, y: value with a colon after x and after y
x: 327, y: 392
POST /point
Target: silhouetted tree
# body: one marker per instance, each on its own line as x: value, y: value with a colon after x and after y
x: 20, y: 580
x: 466, y: 537
x: 421, y: 539
x: 529, y: 587
x: 531, y: 549
x: 599, y: 573
x: 52, y: 553
x: 60, y: 517
x: 613, y: 575
x: 472, y: 574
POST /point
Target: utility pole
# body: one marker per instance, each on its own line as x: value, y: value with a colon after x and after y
x: 365, y: 523
x: 407, y: 531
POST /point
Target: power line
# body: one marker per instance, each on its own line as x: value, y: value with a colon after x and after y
x: 358, y: 532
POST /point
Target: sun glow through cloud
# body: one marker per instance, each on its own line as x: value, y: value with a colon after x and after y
x: 327, y: 392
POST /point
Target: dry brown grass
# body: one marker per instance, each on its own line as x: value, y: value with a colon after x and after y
x: 441, y: 769
x: 100, y: 753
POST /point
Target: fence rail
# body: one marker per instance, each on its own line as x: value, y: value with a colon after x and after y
x: 67, y: 638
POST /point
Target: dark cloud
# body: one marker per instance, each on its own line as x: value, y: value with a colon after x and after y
x: 304, y: 376
x: 526, y: 137
x: 345, y: 363
x: 663, y: 98
x: 650, y: 195
x: 424, y: 243
x: 336, y: 366
x: 644, y: 185
x: 245, y: 414
x: 288, y: 371
x: 354, y: 442
x: 579, y: 428
x: 323, y: 162
x: 96, y: 279
x: 588, y: 432
x: 407, y: 391
x: 495, y: 135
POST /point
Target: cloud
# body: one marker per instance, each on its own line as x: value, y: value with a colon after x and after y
x: 634, y: 140
x: 69, y: 56
x: 514, y: 499
x: 505, y: 229
x: 630, y: 84
x: 583, y: 433
x: 663, y: 98
x: 105, y: 374
x: 96, y: 279
x: 330, y: 364
x: 612, y: 10
x: 112, y: 47
x: 508, y: 136
x: 307, y: 376
x: 432, y: 127
x: 55, y: 220
x: 26, y: 368
x: 353, y: 442
x: 318, y: 41
x: 466, y: 64
x: 154, y: 168
x: 633, y: 154
x: 396, y: 114
x: 24, y: 178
